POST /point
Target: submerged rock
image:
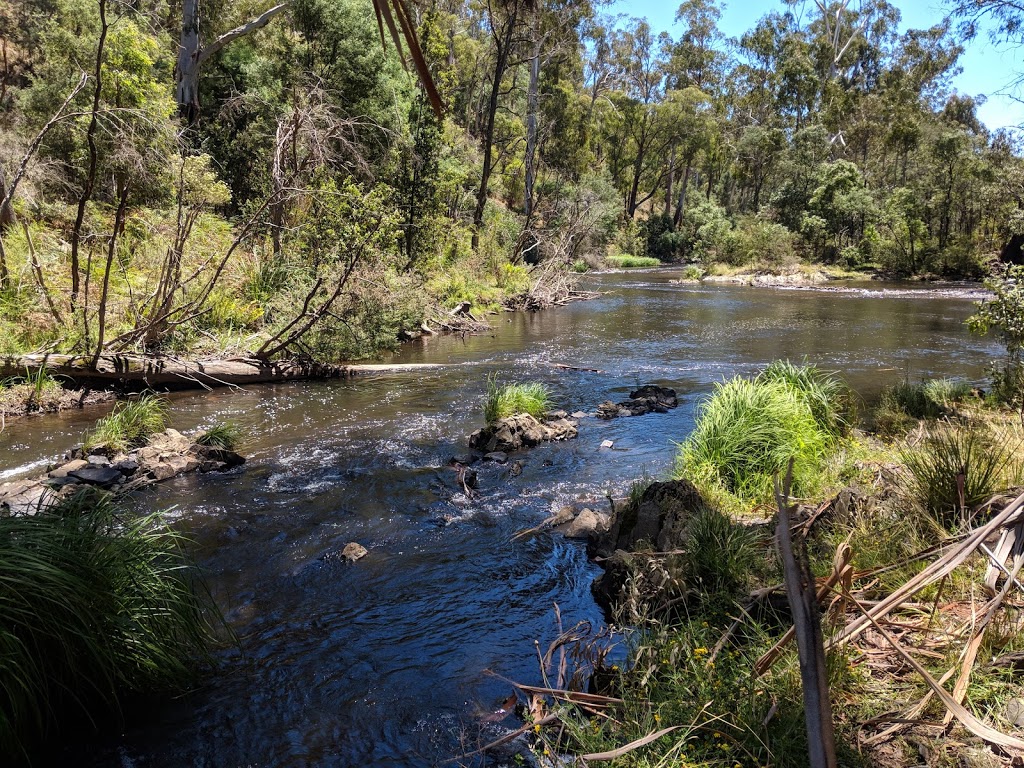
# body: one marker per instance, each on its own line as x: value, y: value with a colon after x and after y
x: 585, y: 524
x: 520, y: 431
x: 649, y: 398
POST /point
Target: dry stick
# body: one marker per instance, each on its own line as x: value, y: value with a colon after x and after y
x: 803, y: 602
x: 939, y: 568
x: 969, y: 721
x: 910, y: 718
x: 841, y: 573
x: 971, y: 652
x: 627, y: 748
x: 38, y: 272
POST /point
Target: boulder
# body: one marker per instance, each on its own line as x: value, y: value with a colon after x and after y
x: 658, y: 518
x: 104, y: 477
x: 71, y: 466
x: 584, y: 525
x: 649, y: 398
x: 98, y: 460
x: 520, y: 431
x: 498, y: 457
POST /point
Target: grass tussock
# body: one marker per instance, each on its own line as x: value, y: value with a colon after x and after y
x: 224, y: 435
x: 904, y: 404
x: 93, y: 606
x: 748, y: 431
x: 504, y: 400
x: 37, y: 390
x: 626, y: 261
x: 956, y: 467
x: 130, y: 424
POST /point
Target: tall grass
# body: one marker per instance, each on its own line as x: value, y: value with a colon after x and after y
x: 626, y: 261
x: 504, y: 400
x: 905, y: 403
x: 745, y: 435
x: 93, y: 606
x: 829, y: 398
x: 129, y: 424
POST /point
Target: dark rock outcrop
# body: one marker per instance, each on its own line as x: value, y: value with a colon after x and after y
x: 520, y: 431
x: 649, y: 398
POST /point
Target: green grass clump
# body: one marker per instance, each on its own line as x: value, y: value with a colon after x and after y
x: 224, y: 435
x: 505, y: 400
x: 955, y: 468
x: 829, y: 398
x: 130, y: 424
x: 904, y: 404
x: 748, y: 431
x: 37, y: 390
x: 626, y: 261
x: 93, y: 606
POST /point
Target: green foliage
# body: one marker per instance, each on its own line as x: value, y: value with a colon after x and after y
x: 224, y: 435
x: 956, y: 467
x: 1004, y: 314
x: 625, y: 261
x: 748, y: 430
x: 722, y: 554
x: 904, y: 403
x: 504, y: 400
x: 130, y: 424
x: 94, y: 606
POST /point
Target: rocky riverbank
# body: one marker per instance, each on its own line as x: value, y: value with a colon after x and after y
x: 165, y: 455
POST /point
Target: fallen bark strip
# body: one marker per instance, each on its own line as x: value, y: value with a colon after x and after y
x: 174, y: 373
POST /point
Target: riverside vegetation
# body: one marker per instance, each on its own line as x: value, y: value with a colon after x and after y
x: 708, y: 679
x: 268, y: 181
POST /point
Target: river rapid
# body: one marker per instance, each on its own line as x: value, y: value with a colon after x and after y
x: 391, y: 661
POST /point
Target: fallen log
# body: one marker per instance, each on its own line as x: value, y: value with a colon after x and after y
x: 162, y: 372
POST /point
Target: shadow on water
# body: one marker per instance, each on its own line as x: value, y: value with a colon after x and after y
x: 385, y: 662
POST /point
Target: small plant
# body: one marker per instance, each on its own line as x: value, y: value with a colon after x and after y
x: 129, y: 424
x: 224, y: 435
x: 505, y: 400
x: 580, y: 266
x: 94, y: 606
x: 626, y: 261
x: 721, y: 553
x: 692, y: 272
x: 1004, y: 314
x: 903, y: 404
x: 955, y: 468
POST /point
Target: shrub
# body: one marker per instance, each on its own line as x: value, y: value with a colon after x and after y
x: 903, y: 404
x: 626, y: 261
x: 224, y: 435
x: 955, y: 468
x: 721, y: 554
x: 1004, y: 314
x: 93, y: 606
x: 504, y: 400
x: 764, y: 242
x: 745, y: 435
x: 130, y: 424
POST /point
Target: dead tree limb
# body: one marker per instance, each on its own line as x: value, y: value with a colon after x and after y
x: 803, y: 602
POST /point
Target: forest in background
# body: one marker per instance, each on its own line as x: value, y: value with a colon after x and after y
x: 243, y: 177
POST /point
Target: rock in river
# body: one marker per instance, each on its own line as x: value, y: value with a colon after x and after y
x: 649, y: 398
x: 520, y: 431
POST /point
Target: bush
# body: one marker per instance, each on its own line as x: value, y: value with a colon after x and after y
x: 745, y: 436
x: 93, y: 606
x: 504, y: 400
x: 130, y: 424
x: 1004, y: 314
x: 721, y: 554
x: 764, y: 242
x: 955, y: 468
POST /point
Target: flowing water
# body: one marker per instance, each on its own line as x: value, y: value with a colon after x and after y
x: 392, y: 660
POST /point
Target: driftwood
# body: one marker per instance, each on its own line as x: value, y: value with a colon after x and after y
x: 173, y: 373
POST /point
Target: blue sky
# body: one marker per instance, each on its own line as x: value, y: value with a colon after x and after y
x: 987, y: 69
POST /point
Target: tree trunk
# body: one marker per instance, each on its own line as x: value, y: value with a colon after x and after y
x: 532, y: 106
x: 90, y: 179
x: 669, y: 182
x: 677, y: 219
x: 186, y: 70
x: 504, y: 43
x: 7, y: 217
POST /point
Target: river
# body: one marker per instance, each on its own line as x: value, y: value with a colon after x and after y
x: 390, y: 661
